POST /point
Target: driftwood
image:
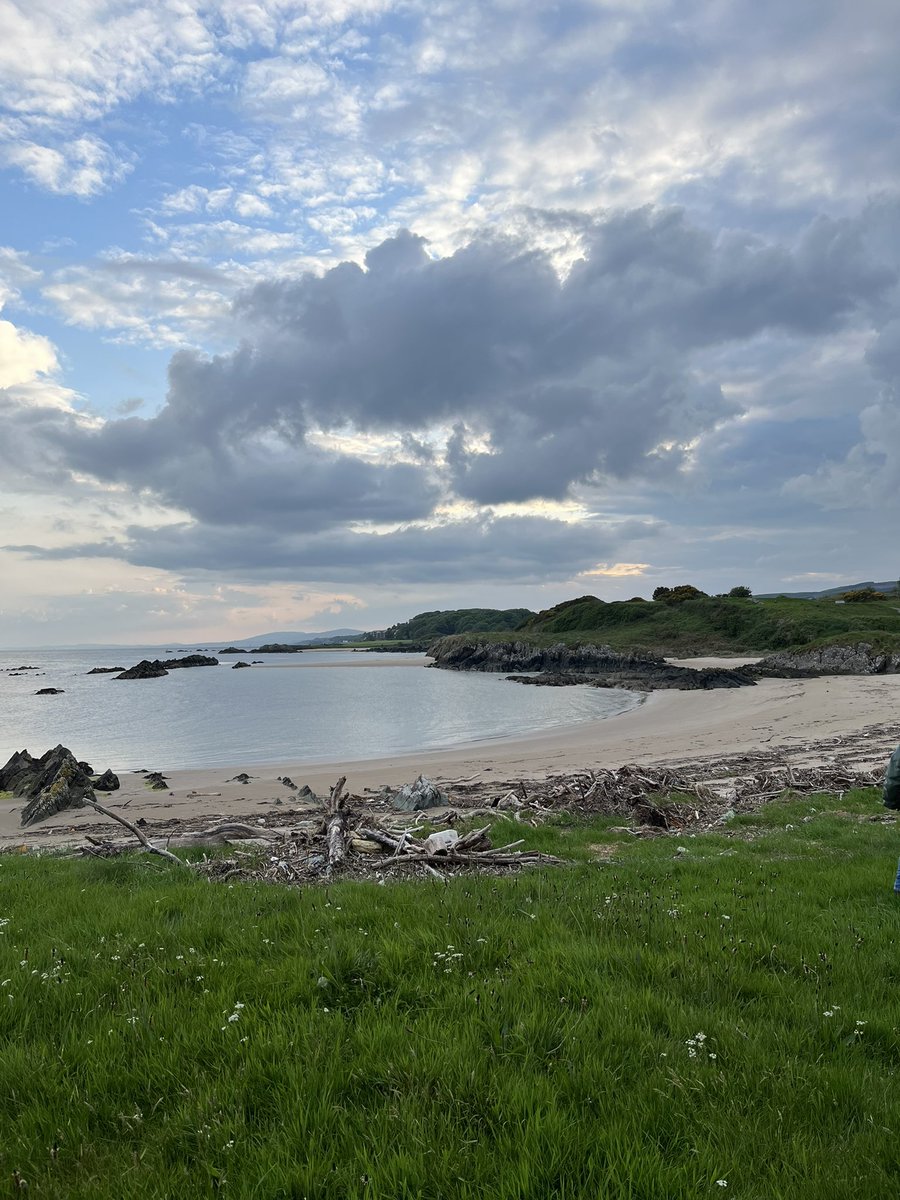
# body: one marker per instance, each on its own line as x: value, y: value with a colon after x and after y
x: 336, y: 832
x: 141, y: 837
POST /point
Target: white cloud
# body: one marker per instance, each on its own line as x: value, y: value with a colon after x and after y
x: 83, y: 167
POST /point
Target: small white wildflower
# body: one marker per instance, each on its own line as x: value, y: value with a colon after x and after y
x: 234, y: 1017
x: 721, y: 1183
x: 828, y: 1013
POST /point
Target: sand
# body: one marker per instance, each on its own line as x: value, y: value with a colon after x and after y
x: 669, y: 726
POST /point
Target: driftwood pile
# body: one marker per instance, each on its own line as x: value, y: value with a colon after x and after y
x: 341, y: 843
x: 658, y: 799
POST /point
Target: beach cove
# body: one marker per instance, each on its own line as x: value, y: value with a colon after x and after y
x: 804, y: 720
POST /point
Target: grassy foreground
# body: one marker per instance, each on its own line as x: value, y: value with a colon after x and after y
x: 717, y: 1021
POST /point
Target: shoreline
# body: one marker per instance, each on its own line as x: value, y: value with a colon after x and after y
x: 786, y: 716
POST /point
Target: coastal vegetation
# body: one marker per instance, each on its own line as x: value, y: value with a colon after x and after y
x: 712, y: 1015
x: 709, y: 624
x: 430, y: 625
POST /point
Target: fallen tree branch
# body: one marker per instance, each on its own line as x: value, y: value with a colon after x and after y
x: 141, y: 837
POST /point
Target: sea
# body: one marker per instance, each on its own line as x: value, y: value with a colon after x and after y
x: 321, y: 705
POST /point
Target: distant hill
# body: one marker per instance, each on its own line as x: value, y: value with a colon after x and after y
x: 294, y: 638
x: 889, y: 586
x: 442, y: 622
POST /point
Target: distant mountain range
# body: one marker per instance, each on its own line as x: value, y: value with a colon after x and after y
x: 889, y: 586
x: 294, y: 638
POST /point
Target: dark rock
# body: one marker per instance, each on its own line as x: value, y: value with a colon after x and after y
x: 854, y: 658
x: 190, y: 660
x: 108, y: 782
x: 87, y: 768
x: 306, y: 793
x: 646, y: 679
x: 237, y: 666
x: 288, y: 782
x: 415, y: 796
x: 473, y: 654
x: 51, y: 783
x: 233, y: 650
x: 242, y: 778
x: 255, y: 662
x: 104, y: 670
x: 279, y: 648
x: 157, y: 781
x: 561, y: 665
x: 50, y: 691
x: 145, y: 669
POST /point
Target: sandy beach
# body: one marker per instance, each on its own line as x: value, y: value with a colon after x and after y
x: 792, y: 717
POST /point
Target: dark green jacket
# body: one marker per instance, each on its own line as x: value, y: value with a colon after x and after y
x: 891, y: 795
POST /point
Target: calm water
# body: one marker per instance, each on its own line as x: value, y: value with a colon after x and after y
x: 365, y: 706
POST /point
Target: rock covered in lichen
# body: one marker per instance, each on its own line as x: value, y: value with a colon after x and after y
x: 51, y: 783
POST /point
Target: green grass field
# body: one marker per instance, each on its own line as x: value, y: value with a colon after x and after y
x: 717, y: 1021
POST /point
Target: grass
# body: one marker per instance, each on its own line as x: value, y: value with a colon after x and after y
x: 643, y: 1028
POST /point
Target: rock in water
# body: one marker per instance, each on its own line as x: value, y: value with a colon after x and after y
x: 51, y: 783
x: 422, y: 794
x: 237, y: 666
x: 49, y: 691
x: 145, y: 669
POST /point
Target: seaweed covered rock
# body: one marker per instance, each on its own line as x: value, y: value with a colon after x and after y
x: 50, y: 784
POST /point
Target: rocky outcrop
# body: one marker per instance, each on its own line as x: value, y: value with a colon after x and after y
x: 154, y: 669
x: 855, y: 658
x: 413, y: 797
x: 647, y: 679
x: 472, y: 654
x: 233, y: 650
x: 145, y: 669
x: 107, y: 782
x: 49, y: 691
x: 237, y: 666
x: 104, y: 670
x: 561, y: 665
x: 190, y: 660
x: 278, y: 648
x: 50, y: 784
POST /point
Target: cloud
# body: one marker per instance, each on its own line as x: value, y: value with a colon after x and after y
x: 485, y: 548
x: 362, y: 401
x: 83, y: 167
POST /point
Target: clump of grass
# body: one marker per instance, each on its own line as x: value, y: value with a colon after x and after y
x: 704, y: 1009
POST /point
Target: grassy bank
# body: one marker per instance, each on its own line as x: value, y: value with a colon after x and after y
x: 709, y: 625
x: 644, y: 1027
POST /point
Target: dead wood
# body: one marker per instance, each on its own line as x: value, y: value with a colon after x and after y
x: 141, y: 837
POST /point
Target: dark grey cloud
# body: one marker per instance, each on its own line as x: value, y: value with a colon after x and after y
x: 518, y: 549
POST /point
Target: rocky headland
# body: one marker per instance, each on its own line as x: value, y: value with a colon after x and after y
x: 560, y: 665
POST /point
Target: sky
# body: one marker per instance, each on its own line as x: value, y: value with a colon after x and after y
x: 322, y: 314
